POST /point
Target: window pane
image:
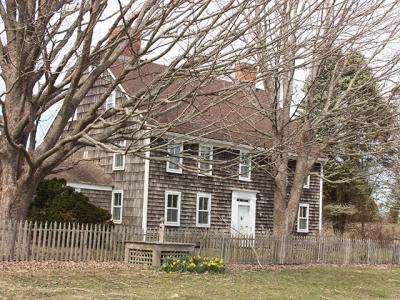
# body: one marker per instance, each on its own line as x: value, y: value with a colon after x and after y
x: 205, y: 166
x: 205, y: 153
x: 110, y: 101
x: 117, y: 199
x: 203, y: 217
x: 303, y: 224
x: 174, y: 149
x: 172, y: 201
x: 203, y: 203
x: 175, y: 201
x: 244, y: 170
x: 119, y: 160
x: 174, y: 152
x: 174, y: 163
x: 120, y: 143
x: 172, y: 215
x: 116, y: 213
x: 303, y: 212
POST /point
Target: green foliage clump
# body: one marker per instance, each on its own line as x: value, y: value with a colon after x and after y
x: 195, y: 264
x: 56, y: 202
x: 341, y: 209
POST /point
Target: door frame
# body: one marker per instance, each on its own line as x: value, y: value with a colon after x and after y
x: 248, y: 195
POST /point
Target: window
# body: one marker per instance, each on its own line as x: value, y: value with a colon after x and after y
x: 172, y: 208
x: 302, y: 218
x: 74, y: 116
x: 174, y: 163
x: 118, y: 158
x: 205, y: 157
x: 110, y: 101
x: 116, y: 206
x: 244, y: 166
x: 203, y: 211
x: 307, y: 182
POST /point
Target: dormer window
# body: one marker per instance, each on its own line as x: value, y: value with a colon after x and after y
x: 111, y: 100
x: 119, y: 158
x: 174, y: 163
x: 244, y: 166
x: 205, y: 158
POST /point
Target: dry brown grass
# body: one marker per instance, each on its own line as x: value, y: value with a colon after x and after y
x: 118, y: 281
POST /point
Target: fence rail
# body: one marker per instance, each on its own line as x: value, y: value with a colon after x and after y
x: 28, y: 241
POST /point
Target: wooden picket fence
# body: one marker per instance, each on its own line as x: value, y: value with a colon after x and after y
x: 28, y: 241
x: 31, y: 241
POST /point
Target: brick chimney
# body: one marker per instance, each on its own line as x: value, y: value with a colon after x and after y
x: 130, y: 50
x: 245, y: 72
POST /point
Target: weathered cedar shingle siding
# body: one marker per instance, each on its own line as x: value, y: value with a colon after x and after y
x: 130, y: 180
x: 190, y: 183
x: 98, y: 198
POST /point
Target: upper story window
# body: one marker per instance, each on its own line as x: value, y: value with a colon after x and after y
x: 111, y: 100
x: 205, y: 158
x: 244, y: 166
x: 116, y: 206
x: 307, y: 182
x: 172, y: 208
x: 203, y: 211
x: 303, y: 218
x: 174, y: 163
x: 119, y: 158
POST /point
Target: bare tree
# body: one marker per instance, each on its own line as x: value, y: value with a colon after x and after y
x: 290, y: 45
x: 53, y: 53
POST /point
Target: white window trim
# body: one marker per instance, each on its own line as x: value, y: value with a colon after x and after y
x: 179, y: 170
x: 307, y: 182
x: 308, y: 217
x: 114, y: 99
x: 74, y: 117
x: 119, y: 168
x: 178, y: 223
x: 204, y: 195
x: 249, y: 195
x: 241, y: 177
x: 85, y: 154
x: 112, y: 205
x: 211, y: 158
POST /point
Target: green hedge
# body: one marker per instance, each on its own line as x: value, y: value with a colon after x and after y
x: 56, y: 202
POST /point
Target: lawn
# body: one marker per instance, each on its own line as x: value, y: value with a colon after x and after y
x: 119, y: 282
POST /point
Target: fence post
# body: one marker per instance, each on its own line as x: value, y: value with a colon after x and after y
x: 282, y: 250
x: 161, y: 231
x: 347, y: 252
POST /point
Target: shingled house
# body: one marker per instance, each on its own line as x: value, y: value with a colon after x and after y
x: 143, y: 189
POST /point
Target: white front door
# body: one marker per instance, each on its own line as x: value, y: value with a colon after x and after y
x: 243, y: 213
x: 244, y: 225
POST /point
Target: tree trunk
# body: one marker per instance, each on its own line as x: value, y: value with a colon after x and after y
x: 17, y: 187
x: 280, y: 226
x: 286, y: 204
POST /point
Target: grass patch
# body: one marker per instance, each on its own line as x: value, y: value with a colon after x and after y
x: 323, y: 282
